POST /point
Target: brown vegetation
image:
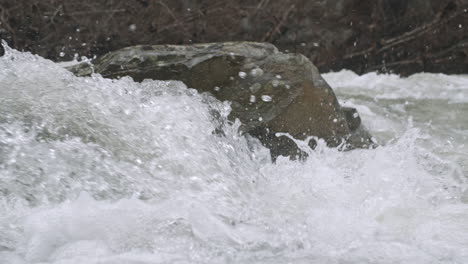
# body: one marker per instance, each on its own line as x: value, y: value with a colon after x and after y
x: 364, y: 35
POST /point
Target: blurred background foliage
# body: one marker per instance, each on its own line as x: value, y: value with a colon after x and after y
x: 403, y: 36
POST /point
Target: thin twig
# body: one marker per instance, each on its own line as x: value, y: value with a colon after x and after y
x: 276, y: 30
x: 408, y: 36
x: 419, y: 31
x: 90, y: 12
x: 179, y: 23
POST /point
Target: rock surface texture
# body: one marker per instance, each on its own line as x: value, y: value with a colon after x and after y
x: 271, y: 92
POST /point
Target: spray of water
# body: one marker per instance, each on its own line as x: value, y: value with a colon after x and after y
x: 112, y: 171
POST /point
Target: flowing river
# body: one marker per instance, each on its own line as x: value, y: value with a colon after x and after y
x: 105, y: 171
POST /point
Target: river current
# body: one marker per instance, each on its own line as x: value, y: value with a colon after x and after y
x: 105, y: 171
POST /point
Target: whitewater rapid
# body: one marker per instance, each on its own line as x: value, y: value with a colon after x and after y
x: 94, y: 170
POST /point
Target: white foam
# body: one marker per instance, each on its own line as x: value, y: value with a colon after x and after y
x: 101, y: 171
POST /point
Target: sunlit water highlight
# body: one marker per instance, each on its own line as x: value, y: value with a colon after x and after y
x: 112, y: 171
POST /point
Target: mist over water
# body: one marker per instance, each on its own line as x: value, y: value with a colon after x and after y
x: 112, y: 171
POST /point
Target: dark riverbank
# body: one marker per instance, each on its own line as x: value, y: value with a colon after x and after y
x: 386, y: 35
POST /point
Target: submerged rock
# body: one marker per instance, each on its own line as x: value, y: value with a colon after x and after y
x: 271, y: 92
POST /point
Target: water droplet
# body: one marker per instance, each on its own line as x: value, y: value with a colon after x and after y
x: 266, y: 98
x: 132, y: 27
x: 256, y: 72
x: 278, y: 76
x: 315, y: 44
x: 217, y: 88
x: 303, y: 44
x: 260, y: 119
x: 287, y: 86
x: 62, y: 54
x: 275, y: 83
x: 242, y: 75
x: 335, y: 120
x: 253, y: 99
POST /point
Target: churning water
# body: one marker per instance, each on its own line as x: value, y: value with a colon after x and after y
x: 112, y: 171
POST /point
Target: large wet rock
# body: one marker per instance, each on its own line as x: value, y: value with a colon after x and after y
x: 271, y: 92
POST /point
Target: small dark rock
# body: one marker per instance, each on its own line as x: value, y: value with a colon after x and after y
x: 352, y: 118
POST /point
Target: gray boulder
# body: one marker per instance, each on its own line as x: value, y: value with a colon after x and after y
x: 271, y: 92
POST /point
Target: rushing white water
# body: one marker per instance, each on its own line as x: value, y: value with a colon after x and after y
x: 112, y: 171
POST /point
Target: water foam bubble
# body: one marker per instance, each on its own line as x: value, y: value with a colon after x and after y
x: 112, y: 171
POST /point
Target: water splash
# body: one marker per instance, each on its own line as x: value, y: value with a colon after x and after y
x: 112, y: 171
